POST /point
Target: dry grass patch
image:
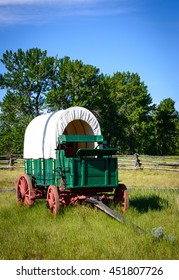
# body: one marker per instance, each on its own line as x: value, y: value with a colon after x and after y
x: 8, y: 178
x: 149, y: 178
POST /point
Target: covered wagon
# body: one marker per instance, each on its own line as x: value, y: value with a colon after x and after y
x: 67, y: 161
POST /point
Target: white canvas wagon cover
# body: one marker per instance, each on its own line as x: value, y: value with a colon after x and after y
x: 41, y: 135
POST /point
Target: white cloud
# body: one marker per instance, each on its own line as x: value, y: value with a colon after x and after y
x: 40, y: 11
x: 64, y: 2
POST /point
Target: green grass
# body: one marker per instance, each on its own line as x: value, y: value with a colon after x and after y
x: 83, y: 232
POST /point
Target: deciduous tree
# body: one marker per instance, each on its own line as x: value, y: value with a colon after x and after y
x: 134, y: 104
x: 76, y: 84
x: 166, y: 119
x: 29, y: 75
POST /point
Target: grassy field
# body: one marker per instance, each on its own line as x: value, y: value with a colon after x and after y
x: 149, y: 178
x: 82, y: 232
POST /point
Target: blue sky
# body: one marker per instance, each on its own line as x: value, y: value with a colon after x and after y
x: 140, y: 36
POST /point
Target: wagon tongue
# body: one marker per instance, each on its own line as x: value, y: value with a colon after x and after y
x: 99, y: 204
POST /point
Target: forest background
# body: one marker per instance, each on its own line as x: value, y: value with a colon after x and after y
x: 36, y: 83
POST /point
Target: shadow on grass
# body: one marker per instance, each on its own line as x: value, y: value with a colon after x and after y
x: 144, y: 204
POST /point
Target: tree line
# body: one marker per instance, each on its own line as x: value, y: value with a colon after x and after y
x: 36, y: 83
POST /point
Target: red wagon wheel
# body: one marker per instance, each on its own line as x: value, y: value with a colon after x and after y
x: 24, y: 190
x: 121, y: 196
x: 53, y: 199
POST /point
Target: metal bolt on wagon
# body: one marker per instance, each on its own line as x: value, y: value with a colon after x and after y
x: 67, y: 161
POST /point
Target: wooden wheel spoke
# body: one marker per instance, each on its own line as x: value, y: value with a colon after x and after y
x: 23, y: 190
x: 53, y: 199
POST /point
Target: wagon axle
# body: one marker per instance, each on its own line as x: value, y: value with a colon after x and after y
x: 56, y: 197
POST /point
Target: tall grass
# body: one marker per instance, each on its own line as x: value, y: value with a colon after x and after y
x: 82, y: 232
x: 8, y: 178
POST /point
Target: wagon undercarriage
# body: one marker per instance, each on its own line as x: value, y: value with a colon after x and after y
x: 57, y: 197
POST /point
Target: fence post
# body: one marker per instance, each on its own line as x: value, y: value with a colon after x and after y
x: 11, y: 160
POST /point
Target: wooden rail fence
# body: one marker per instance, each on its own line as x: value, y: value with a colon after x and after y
x: 125, y: 162
x: 163, y: 163
x: 11, y: 161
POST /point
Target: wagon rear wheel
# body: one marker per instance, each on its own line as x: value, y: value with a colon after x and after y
x: 53, y: 199
x: 121, y: 197
x: 24, y: 190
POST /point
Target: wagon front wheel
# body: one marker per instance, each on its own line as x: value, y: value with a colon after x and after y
x: 24, y: 190
x: 53, y: 199
x: 121, y: 197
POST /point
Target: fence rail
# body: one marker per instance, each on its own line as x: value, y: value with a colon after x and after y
x: 163, y: 163
x: 125, y: 162
x: 11, y: 161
